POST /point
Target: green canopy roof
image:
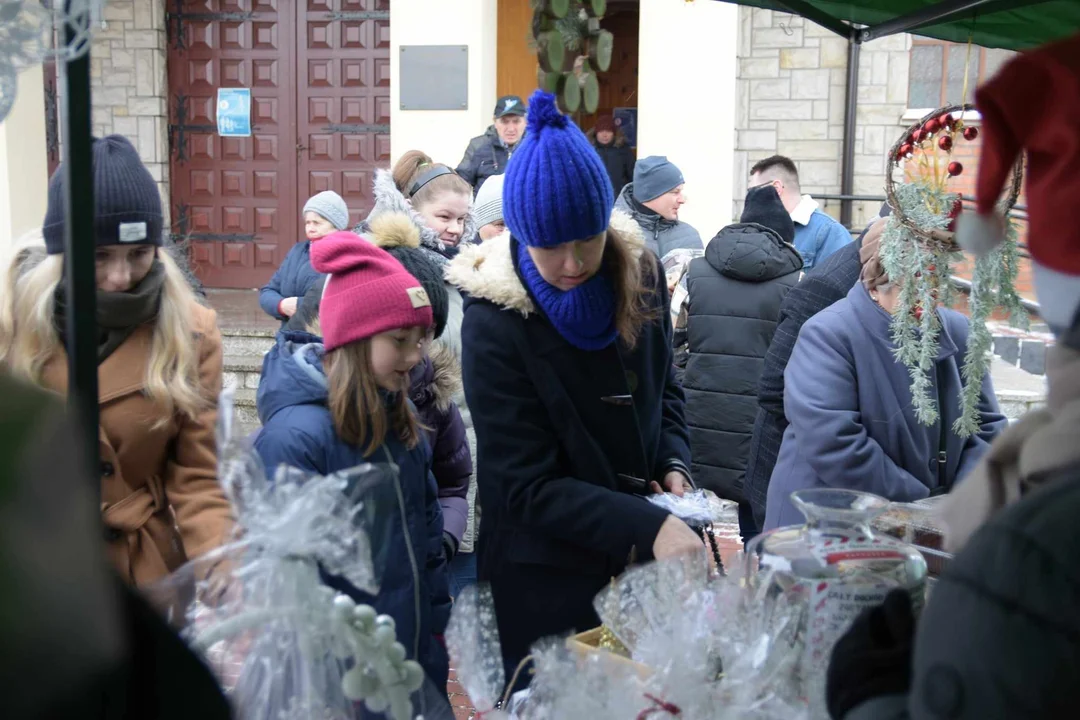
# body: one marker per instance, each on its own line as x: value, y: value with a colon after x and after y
x: 1009, y: 24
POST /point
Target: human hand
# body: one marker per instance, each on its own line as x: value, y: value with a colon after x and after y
x: 873, y: 658
x: 676, y: 538
x: 674, y: 482
x: 287, y: 307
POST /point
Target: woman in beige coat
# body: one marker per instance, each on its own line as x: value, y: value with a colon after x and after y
x: 159, y: 372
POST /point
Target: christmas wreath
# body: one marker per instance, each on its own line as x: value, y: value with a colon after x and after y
x: 919, y: 246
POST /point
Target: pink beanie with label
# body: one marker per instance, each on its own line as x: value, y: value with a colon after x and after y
x: 367, y: 291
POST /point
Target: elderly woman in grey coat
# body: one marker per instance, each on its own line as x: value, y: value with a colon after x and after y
x: 849, y: 404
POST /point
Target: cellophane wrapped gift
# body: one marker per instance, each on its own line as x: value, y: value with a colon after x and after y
x: 472, y: 638
x: 712, y: 653
x: 279, y: 640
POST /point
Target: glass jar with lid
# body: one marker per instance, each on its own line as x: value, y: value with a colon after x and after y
x: 834, y: 566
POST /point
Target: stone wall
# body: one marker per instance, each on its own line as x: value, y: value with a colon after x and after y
x: 128, y: 78
x: 790, y: 101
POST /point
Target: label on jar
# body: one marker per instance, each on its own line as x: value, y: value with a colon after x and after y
x: 834, y: 605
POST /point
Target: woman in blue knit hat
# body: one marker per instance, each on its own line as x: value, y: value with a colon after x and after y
x: 568, y: 373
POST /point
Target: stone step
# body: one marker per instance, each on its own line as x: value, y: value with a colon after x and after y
x: 237, y: 343
x: 244, y: 407
x: 242, y: 371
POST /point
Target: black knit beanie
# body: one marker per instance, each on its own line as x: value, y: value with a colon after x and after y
x: 430, y: 274
x: 127, y: 206
x: 764, y: 207
x: 415, y: 262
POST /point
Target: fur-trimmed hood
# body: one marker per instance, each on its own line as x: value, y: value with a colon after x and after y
x: 487, y: 270
x: 438, y: 379
x: 390, y: 201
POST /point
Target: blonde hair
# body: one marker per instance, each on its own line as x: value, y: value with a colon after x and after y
x: 29, y: 338
x: 355, y: 405
x: 415, y: 163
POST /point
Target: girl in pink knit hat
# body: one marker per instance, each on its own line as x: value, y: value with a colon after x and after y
x: 335, y: 402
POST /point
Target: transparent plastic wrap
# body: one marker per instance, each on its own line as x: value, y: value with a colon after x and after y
x: 472, y: 639
x: 711, y: 653
x: 283, y: 644
x: 714, y: 519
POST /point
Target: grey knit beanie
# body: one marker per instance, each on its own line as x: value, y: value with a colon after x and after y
x: 654, y: 176
x: 330, y: 205
x: 487, y: 208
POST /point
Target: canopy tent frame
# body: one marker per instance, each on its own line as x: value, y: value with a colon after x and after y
x: 937, y: 13
x: 79, y: 247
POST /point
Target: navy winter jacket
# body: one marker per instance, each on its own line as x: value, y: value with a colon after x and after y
x: 298, y: 431
x: 434, y: 383
x: 560, y: 432
x: 852, y: 423
x: 293, y: 279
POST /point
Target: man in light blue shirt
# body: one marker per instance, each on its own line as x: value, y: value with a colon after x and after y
x: 817, y: 235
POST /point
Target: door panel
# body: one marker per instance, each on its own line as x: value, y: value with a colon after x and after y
x: 319, y: 74
x: 229, y: 193
x: 343, y: 98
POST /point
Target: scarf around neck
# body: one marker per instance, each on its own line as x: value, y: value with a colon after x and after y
x: 118, y: 313
x: 583, y: 316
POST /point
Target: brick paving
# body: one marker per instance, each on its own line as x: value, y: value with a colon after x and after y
x: 459, y: 699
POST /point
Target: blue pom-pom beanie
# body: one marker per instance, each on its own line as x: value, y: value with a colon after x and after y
x: 556, y: 188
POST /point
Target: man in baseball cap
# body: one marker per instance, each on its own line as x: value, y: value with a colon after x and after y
x: 488, y: 154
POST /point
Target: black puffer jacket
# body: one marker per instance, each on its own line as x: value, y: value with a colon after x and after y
x: 486, y: 155
x: 735, y: 292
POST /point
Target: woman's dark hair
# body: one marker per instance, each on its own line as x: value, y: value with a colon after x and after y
x: 634, y: 280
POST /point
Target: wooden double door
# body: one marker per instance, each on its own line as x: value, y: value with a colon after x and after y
x: 319, y: 75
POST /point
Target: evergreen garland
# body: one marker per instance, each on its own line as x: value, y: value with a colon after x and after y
x: 905, y: 255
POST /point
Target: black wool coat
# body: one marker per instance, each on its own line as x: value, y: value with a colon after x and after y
x: 735, y: 292
x: 560, y: 432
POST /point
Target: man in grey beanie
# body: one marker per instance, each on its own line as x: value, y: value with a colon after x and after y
x: 653, y: 199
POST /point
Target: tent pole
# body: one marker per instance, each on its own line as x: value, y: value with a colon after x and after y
x: 79, y: 277
x: 851, y: 90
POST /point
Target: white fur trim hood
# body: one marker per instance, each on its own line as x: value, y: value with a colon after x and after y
x: 389, y: 200
x: 487, y: 271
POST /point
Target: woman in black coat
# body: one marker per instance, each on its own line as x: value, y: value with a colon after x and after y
x: 568, y: 371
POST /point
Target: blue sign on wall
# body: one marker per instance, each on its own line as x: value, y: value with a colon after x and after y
x: 234, y: 112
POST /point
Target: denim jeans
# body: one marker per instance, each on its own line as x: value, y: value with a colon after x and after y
x: 462, y: 573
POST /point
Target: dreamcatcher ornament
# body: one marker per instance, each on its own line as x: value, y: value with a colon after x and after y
x: 919, y: 245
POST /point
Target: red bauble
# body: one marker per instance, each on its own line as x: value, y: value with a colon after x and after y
x: 932, y: 126
x: 955, y: 169
x: 919, y: 136
x: 948, y: 121
x: 970, y: 133
x: 957, y: 208
x: 904, y: 151
x: 945, y: 143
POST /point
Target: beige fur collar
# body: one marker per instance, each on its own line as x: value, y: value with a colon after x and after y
x: 487, y: 270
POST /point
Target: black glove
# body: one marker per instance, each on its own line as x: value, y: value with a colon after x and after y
x: 873, y: 658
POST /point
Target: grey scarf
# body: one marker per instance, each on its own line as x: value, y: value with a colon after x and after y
x: 118, y: 313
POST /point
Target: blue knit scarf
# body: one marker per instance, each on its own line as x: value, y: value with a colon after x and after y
x: 584, y: 316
